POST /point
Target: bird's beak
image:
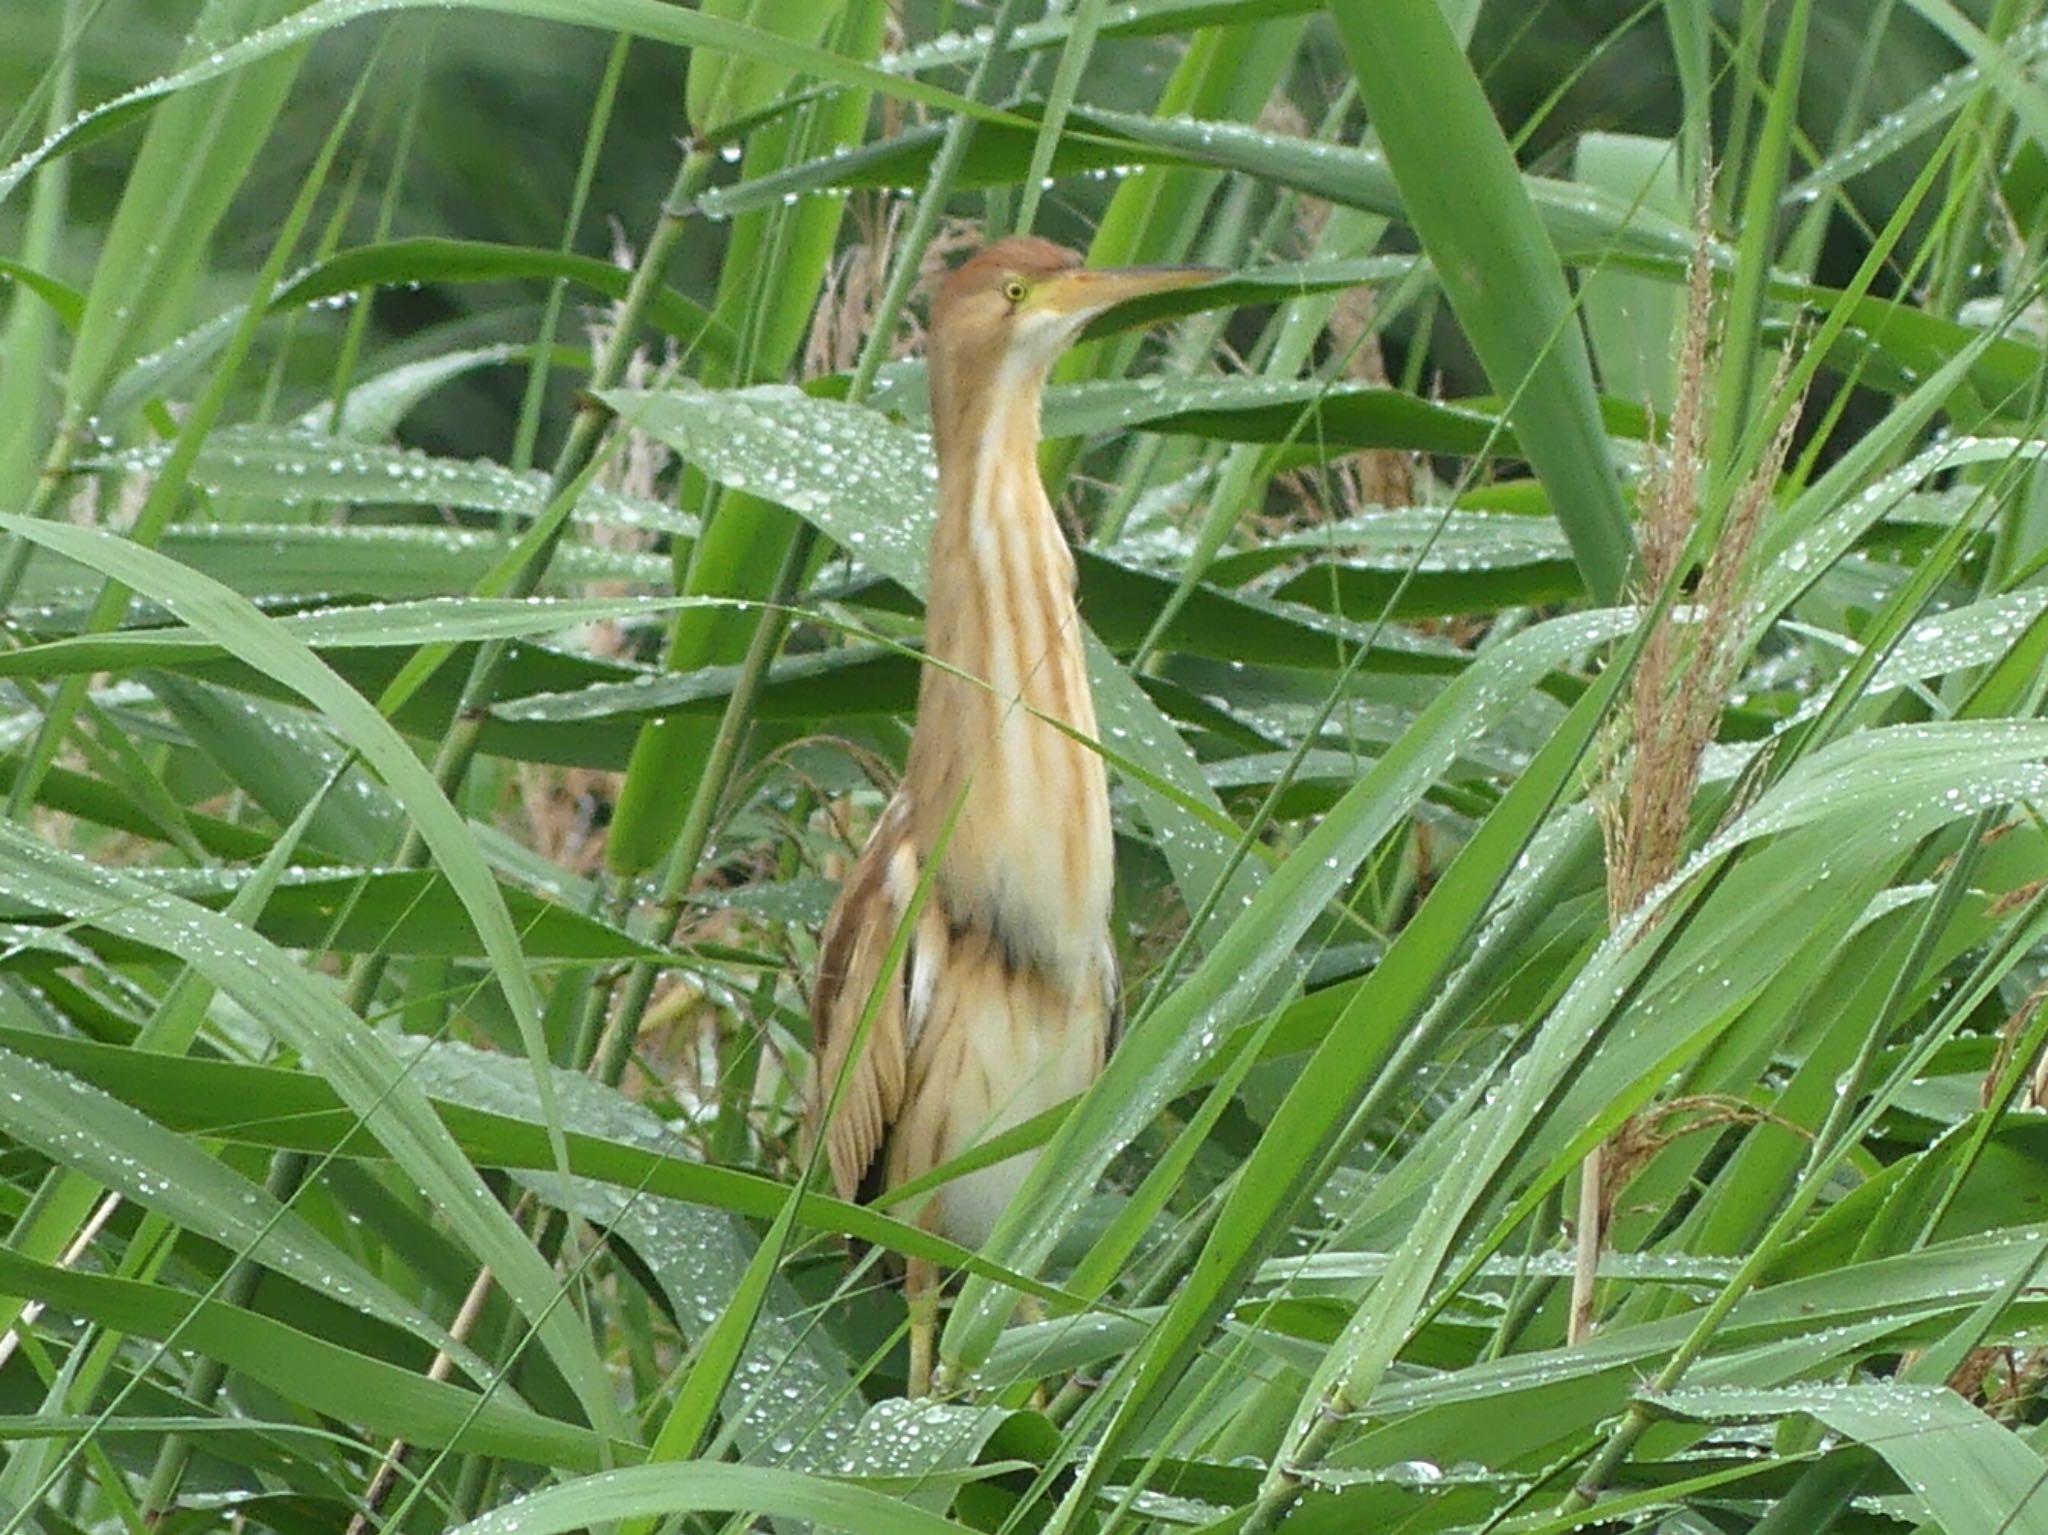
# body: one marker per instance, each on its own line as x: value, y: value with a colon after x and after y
x: 1088, y: 291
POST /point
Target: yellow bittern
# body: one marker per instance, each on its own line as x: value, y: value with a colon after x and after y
x: 1007, y: 999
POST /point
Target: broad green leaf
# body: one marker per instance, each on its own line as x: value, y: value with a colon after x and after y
x: 1905, y: 125
x: 66, y: 300
x: 1415, y: 563
x: 425, y: 259
x: 722, y: 87
x: 194, y: 156
x: 302, y: 1010
x: 1581, y: 220
x: 1973, y: 1476
x: 253, y: 639
x: 921, y: 1441
x: 1466, y: 199
x: 641, y: 18
x: 1879, y: 793
x: 296, y: 560
x: 374, y: 406
x: 1634, y: 322
x: 1136, y: 18
x: 119, y: 1149
x: 306, y: 1113
x: 1283, y: 1168
x: 792, y: 1395
x: 1509, y: 1410
x: 391, y: 911
x: 1321, y: 416
x: 363, y: 626
x: 295, y: 467
x: 310, y: 1371
x: 2021, y: 92
x: 707, y: 1487
x: 1826, y: 522
x: 267, y: 750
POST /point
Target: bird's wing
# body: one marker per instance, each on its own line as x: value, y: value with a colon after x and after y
x: 858, y: 936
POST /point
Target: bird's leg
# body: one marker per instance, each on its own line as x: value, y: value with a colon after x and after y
x: 921, y: 1290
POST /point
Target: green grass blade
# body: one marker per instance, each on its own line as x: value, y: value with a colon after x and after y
x: 1465, y: 197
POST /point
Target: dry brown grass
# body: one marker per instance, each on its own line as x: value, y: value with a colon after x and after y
x: 1653, y: 749
x: 1689, y: 662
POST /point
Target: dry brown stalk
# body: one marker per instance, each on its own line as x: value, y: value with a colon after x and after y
x: 854, y: 285
x: 2026, y: 1378
x: 74, y: 1250
x: 1636, y: 1144
x: 2005, y: 905
x: 385, y: 1479
x: 2009, y: 1039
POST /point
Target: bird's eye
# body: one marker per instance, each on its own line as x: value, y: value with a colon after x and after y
x: 1013, y: 290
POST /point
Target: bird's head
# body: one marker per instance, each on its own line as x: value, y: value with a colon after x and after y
x: 1015, y: 305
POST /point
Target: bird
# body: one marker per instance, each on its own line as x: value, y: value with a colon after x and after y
x: 1005, y: 1000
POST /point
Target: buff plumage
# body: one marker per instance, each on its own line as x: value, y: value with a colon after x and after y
x: 1006, y: 999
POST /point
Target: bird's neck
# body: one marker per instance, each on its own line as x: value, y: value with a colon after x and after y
x: 1028, y: 856
x: 1001, y: 605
